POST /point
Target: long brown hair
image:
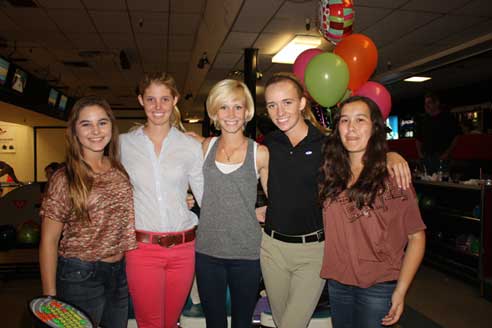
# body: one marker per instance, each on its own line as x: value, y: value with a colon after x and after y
x: 335, y: 172
x: 168, y: 81
x: 307, y: 113
x: 79, y: 173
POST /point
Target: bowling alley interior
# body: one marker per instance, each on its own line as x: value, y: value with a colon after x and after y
x: 417, y: 60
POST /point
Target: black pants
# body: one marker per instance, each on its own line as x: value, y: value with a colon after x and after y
x: 242, y: 277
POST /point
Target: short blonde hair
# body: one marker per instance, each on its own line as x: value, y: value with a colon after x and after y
x: 225, y: 90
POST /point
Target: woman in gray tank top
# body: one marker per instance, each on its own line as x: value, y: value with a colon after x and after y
x: 229, y: 236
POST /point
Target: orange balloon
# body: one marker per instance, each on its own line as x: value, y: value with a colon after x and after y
x: 361, y: 56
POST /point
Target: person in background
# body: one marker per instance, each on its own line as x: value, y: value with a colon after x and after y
x: 6, y: 169
x: 229, y: 236
x: 88, y: 219
x: 50, y: 169
x: 293, y: 240
x: 162, y: 162
x: 436, y: 133
x: 368, y: 222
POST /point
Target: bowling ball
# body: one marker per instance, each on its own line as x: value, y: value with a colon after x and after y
x: 427, y: 202
x: 7, y: 237
x: 28, y: 233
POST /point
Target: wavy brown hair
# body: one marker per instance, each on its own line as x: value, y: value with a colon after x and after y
x: 307, y: 113
x: 168, y: 81
x: 335, y: 171
x: 79, y: 173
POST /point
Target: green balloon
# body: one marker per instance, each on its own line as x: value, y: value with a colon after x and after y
x: 326, y: 78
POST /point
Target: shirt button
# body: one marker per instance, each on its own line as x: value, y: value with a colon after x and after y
x: 291, y: 152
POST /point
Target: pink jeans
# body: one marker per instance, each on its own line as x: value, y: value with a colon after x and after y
x: 159, y: 280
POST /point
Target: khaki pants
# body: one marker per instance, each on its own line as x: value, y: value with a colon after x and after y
x: 293, y: 284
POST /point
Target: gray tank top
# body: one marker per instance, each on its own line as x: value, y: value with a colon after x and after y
x: 228, y: 227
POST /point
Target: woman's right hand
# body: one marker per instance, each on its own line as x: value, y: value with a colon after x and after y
x: 195, y: 136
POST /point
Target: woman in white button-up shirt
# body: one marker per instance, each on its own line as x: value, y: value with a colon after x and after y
x: 162, y: 162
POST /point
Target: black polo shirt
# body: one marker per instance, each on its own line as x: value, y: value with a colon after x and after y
x: 293, y: 207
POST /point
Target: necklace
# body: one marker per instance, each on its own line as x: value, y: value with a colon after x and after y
x: 227, y: 155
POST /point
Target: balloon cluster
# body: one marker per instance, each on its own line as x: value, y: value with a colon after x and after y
x: 331, y: 77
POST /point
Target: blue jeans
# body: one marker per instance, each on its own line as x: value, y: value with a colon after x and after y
x: 355, y: 307
x: 242, y: 277
x: 98, y: 288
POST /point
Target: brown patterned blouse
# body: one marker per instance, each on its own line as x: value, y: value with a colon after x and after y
x: 111, y: 229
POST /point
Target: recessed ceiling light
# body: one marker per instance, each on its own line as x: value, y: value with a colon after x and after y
x: 417, y: 79
x: 289, y: 53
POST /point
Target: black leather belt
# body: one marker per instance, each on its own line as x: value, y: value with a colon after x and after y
x: 316, y: 236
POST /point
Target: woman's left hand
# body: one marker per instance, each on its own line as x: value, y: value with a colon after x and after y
x: 398, y: 168
x: 397, y: 306
x: 190, y: 201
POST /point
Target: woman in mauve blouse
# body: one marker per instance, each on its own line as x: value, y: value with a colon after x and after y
x: 89, y: 205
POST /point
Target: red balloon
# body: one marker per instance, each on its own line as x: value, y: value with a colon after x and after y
x: 361, y: 56
x: 377, y: 93
x: 336, y: 19
x: 302, y: 60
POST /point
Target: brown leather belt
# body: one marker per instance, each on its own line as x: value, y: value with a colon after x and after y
x: 166, y: 239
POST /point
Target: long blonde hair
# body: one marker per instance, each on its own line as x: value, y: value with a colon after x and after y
x: 307, y: 113
x: 168, y: 81
x: 79, y: 173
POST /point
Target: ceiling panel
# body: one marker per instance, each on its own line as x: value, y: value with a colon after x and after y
x: 255, y: 14
x: 271, y: 43
x: 61, y: 4
x: 149, y: 5
x: 87, y: 41
x: 435, y: 6
x: 472, y: 32
x: 184, y: 23
x: 181, y: 42
x: 111, y: 21
x: 105, y: 4
x: 70, y: 20
x: 481, y: 8
x: 118, y: 40
x: 401, y: 22
x: 151, y: 41
x: 188, y: 6
x: 31, y: 19
x: 226, y: 60
x: 381, y: 3
x: 237, y: 41
x: 368, y: 16
x: 179, y: 57
x: 150, y: 22
x: 6, y: 24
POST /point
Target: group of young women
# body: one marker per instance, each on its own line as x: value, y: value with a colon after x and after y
x: 106, y: 221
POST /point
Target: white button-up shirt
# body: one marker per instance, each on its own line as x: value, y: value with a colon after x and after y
x: 160, y: 183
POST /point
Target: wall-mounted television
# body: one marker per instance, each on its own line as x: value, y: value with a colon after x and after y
x: 52, y: 98
x: 19, y: 80
x: 4, y: 70
x: 392, y: 123
x: 62, y: 105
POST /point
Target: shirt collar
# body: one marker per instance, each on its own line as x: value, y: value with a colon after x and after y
x: 312, y: 135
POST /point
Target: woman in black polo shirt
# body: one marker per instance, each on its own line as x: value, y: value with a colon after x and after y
x: 292, y: 245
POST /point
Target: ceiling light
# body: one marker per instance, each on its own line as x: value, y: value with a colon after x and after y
x: 289, y: 53
x: 417, y: 79
x: 193, y: 120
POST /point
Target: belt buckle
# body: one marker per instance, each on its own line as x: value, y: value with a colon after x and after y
x: 165, y: 245
x: 319, y: 234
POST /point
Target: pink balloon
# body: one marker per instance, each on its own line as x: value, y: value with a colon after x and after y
x: 302, y: 60
x: 377, y: 93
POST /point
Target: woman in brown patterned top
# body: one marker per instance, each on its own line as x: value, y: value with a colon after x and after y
x: 368, y: 222
x: 89, y: 205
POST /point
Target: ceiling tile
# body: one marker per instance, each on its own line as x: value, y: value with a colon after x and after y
x: 31, y: 19
x: 181, y: 42
x: 69, y: 20
x: 477, y: 8
x: 401, y: 23
x: 111, y: 21
x: 179, y: 57
x: 111, y: 5
x: 188, y: 6
x: 368, y: 16
x: 6, y: 24
x: 87, y: 41
x: 238, y: 41
x: 184, y: 23
x: 149, y: 22
x: 151, y: 41
x: 61, y: 4
x: 472, y: 32
x: 381, y: 3
x: 271, y: 43
x: 226, y: 60
x: 149, y: 5
x: 118, y: 40
x: 442, y: 6
x: 255, y: 14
